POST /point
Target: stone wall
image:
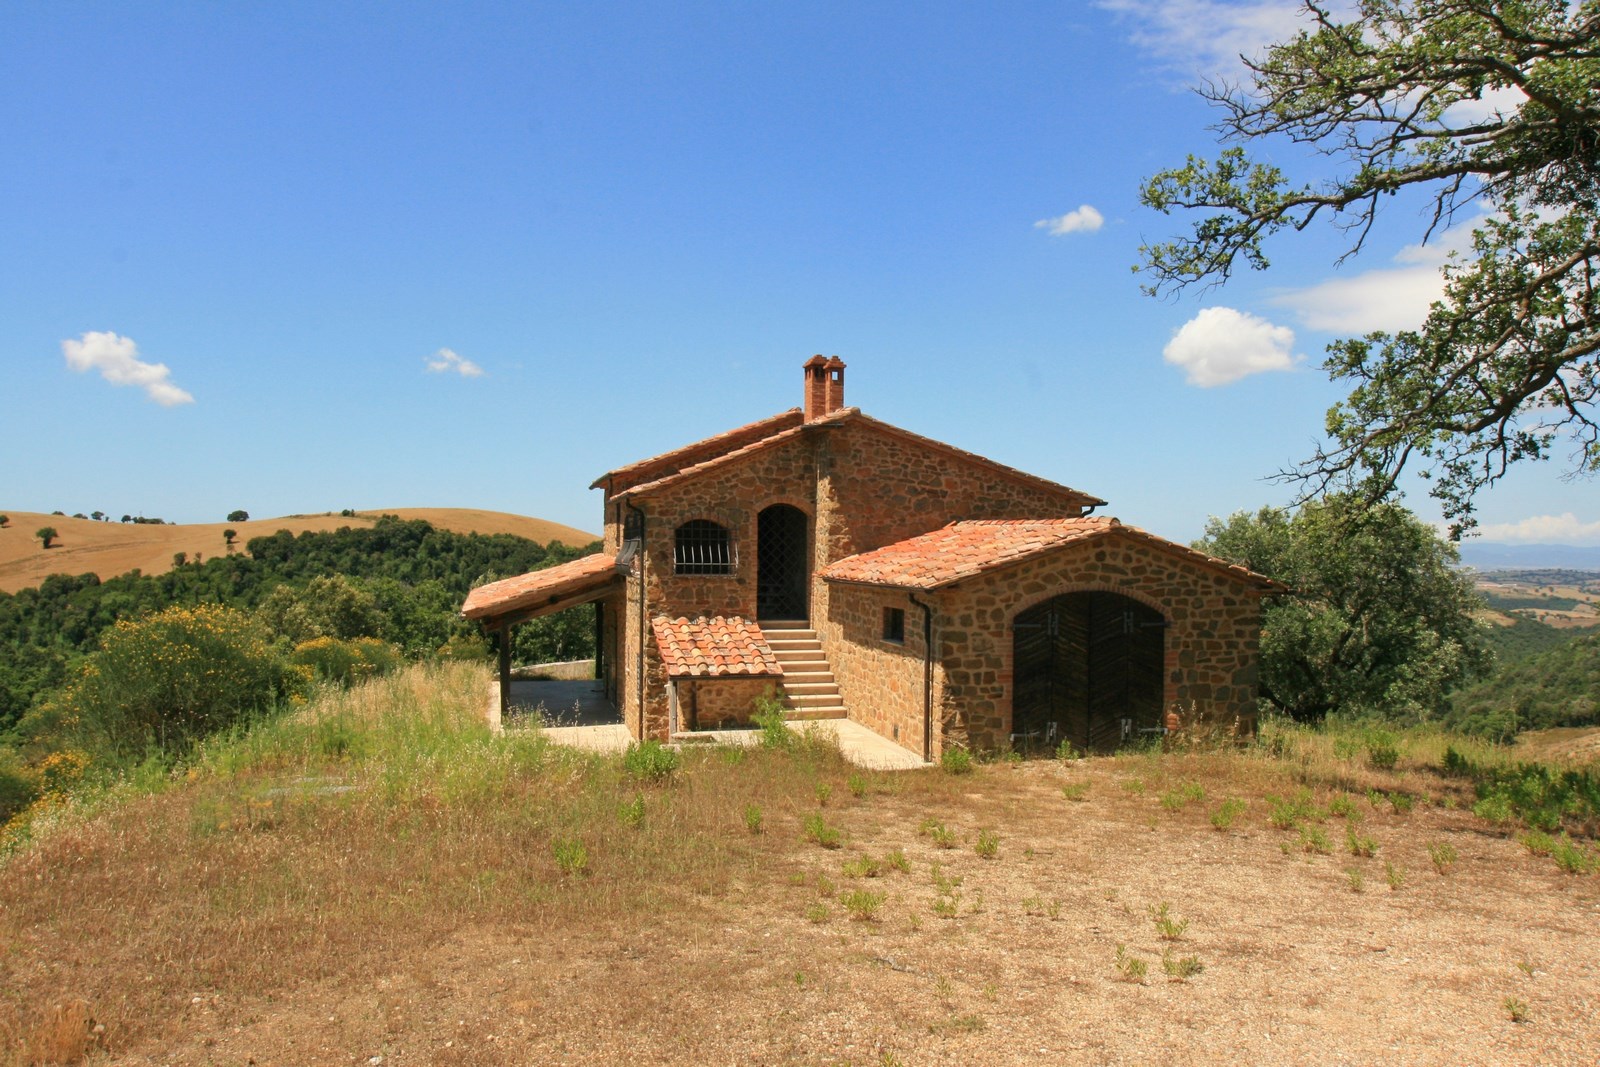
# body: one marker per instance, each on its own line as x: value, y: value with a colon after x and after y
x: 1212, y: 637
x: 881, y: 488
x: 719, y: 703
x: 881, y: 681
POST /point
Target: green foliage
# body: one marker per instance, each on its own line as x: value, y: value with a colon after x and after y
x: 1444, y: 856
x: 571, y: 856
x: 1228, y: 811
x: 956, y: 761
x: 863, y: 904
x: 46, y: 535
x: 346, y: 662
x: 1505, y: 365
x: 163, y: 681
x: 817, y: 830
x: 769, y: 719
x: 1379, y: 622
x: 239, y: 516
x: 19, y: 784
x: 1541, y: 797
x: 988, y: 844
x: 1557, y: 687
x: 752, y: 818
x: 1130, y: 968
x: 1523, y: 638
x: 416, y: 577
x: 651, y: 761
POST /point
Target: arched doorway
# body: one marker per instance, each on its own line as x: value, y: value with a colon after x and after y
x: 1087, y: 668
x: 783, y: 570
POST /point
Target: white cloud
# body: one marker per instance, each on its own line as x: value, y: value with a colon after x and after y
x: 117, y: 360
x: 1386, y: 298
x: 1221, y: 345
x: 1205, y: 38
x: 445, y: 361
x: 1563, y: 529
x: 1083, y: 220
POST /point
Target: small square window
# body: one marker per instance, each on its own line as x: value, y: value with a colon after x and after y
x: 894, y: 625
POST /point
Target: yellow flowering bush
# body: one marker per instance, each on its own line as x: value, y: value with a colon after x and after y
x: 346, y: 661
x: 162, y: 681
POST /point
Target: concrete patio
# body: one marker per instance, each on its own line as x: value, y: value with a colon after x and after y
x: 578, y: 715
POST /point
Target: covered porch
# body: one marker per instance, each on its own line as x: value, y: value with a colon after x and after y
x: 500, y: 606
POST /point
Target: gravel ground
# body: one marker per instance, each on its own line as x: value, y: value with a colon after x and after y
x: 1015, y: 963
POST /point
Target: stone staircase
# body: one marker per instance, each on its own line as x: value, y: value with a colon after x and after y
x: 808, y: 686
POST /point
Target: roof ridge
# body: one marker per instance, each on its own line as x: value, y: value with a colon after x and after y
x: 756, y: 431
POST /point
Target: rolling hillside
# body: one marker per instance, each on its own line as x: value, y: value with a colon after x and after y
x: 112, y: 548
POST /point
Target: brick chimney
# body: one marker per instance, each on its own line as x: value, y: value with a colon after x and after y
x: 824, y: 386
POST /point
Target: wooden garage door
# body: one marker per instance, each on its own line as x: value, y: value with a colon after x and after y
x: 1087, y: 668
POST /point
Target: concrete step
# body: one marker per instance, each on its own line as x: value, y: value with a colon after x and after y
x: 815, y: 714
x: 820, y: 685
x: 784, y: 624
x: 799, y: 701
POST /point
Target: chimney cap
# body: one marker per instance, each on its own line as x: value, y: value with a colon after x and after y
x: 816, y: 361
x: 835, y: 363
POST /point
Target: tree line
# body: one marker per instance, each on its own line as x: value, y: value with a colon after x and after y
x: 401, y: 581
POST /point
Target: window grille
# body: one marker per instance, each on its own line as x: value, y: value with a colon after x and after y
x: 700, y: 546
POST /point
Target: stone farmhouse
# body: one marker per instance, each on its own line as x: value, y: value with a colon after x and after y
x: 858, y: 570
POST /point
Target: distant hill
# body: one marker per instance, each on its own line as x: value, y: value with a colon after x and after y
x: 1489, y: 555
x: 108, y: 549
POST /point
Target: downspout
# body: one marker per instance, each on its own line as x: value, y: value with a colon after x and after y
x: 1086, y: 512
x: 927, y: 678
x: 639, y: 670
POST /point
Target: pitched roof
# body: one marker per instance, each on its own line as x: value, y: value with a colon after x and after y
x: 964, y: 550
x: 671, y: 462
x: 749, y: 445
x: 541, y: 588
x: 714, y: 648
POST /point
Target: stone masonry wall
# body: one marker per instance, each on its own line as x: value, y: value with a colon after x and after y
x: 733, y: 497
x: 1212, y: 639
x: 881, y: 681
x: 719, y: 703
x: 882, y: 488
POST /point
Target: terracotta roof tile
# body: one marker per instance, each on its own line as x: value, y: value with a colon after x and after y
x: 667, y: 463
x: 546, y: 586
x: 964, y: 550
x: 731, y: 647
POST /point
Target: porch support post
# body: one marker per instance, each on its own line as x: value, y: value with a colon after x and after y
x: 505, y: 670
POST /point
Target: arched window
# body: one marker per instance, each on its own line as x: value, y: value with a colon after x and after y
x: 700, y: 546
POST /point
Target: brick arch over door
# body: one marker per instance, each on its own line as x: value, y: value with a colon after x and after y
x: 1087, y: 667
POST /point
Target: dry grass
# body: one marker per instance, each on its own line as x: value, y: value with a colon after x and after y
x: 111, y: 548
x: 379, y: 877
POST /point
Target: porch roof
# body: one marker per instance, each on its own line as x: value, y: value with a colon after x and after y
x: 544, y: 591
x: 718, y: 647
x: 965, y: 550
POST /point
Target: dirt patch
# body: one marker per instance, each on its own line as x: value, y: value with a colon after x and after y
x: 1010, y: 959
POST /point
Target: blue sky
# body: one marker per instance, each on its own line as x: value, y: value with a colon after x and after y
x: 475, y: 255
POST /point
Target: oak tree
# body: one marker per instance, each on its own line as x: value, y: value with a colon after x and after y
x: 1472, y: 104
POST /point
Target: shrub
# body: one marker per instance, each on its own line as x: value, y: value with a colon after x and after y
x: 816, y: 829
x: 769, y: 719
x: 345, y: 663
x: 956, y: 761
x: 1382, y: 751
x: 571, y: 856
x: 752, y: 818
x: 988, y: 844
x: 863, y: 904
x: 163, y: 681
x: 19, y: 785
x: 650, y: 760
x: 1226, y: 813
